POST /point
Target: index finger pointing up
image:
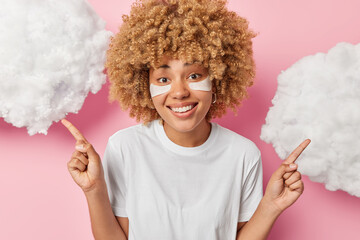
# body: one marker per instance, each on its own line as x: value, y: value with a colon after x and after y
x: 73, y: 130
x: 296, y: 153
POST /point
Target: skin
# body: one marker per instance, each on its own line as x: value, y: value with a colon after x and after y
x: 283, y: 189
x: 86, y: 170
x: 193, y: 130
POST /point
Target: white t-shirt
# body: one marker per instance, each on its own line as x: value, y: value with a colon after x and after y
x: 170, y: 192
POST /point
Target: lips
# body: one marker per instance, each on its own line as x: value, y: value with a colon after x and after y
x: 182, y: 107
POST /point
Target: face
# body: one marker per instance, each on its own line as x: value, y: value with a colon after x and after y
x: 178, y: 103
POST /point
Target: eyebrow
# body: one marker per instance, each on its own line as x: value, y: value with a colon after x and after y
x: 164, y: 66
x: 167, y: 66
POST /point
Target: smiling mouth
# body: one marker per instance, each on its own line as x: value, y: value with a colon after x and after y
x: 182, y: 109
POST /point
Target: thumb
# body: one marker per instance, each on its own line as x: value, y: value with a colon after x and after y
x: 284, y: 168
x: 87, y: 148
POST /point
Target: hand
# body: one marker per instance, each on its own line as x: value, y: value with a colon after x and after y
x: 285, y: 185
x: 85, y: 165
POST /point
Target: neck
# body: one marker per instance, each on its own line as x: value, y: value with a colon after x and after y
x: 193, y: 138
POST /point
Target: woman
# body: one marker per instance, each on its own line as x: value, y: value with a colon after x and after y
x: 176, y: 65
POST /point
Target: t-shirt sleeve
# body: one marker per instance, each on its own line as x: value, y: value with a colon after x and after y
x: 115, y: 177
x: 252, y: 191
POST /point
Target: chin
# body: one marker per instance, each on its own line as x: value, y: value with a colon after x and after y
x: 184, y: 125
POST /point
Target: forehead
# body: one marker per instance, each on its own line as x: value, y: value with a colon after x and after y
x: 169, y: 63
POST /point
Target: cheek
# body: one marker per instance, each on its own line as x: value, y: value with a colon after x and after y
x: 205, y: 97
x: 159, y: 90
x: 159, y: 100
x: 204, y: 85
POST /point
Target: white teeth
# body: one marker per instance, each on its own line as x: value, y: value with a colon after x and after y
x: 182, y: 109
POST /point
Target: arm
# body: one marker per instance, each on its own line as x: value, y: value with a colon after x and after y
x: 240, y: 225
x: 86, y: 169
x: 284, y: 188
x: 124, y: 224
x: 260, y: 224
x: 103, y: 222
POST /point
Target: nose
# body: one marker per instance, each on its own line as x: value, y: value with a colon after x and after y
x: 179, y: 90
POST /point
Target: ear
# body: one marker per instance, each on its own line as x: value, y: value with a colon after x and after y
x: 213, y: 85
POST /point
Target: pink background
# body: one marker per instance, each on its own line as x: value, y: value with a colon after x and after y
x: 39, y: 200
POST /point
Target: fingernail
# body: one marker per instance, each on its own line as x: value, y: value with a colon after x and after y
x: 79, y: 147
x: 292, y: 165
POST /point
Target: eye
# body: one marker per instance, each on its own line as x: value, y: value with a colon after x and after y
x: 194, y: 76
x: 163, y: 80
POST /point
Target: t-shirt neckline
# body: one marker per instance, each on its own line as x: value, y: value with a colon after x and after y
x: 185, y: 150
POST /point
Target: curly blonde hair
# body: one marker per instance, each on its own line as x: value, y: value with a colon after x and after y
x: 202, y: 31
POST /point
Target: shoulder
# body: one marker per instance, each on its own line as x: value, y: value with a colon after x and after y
x: 238, y: 143
x: 124, y: 133
x: 132, y: 134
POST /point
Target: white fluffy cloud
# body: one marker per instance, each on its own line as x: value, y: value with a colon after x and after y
x: 319, y: 98
x: 52, y: 54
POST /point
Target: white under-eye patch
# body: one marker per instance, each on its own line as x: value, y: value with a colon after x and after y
x: 158, y: 90
x: 204, y: 85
